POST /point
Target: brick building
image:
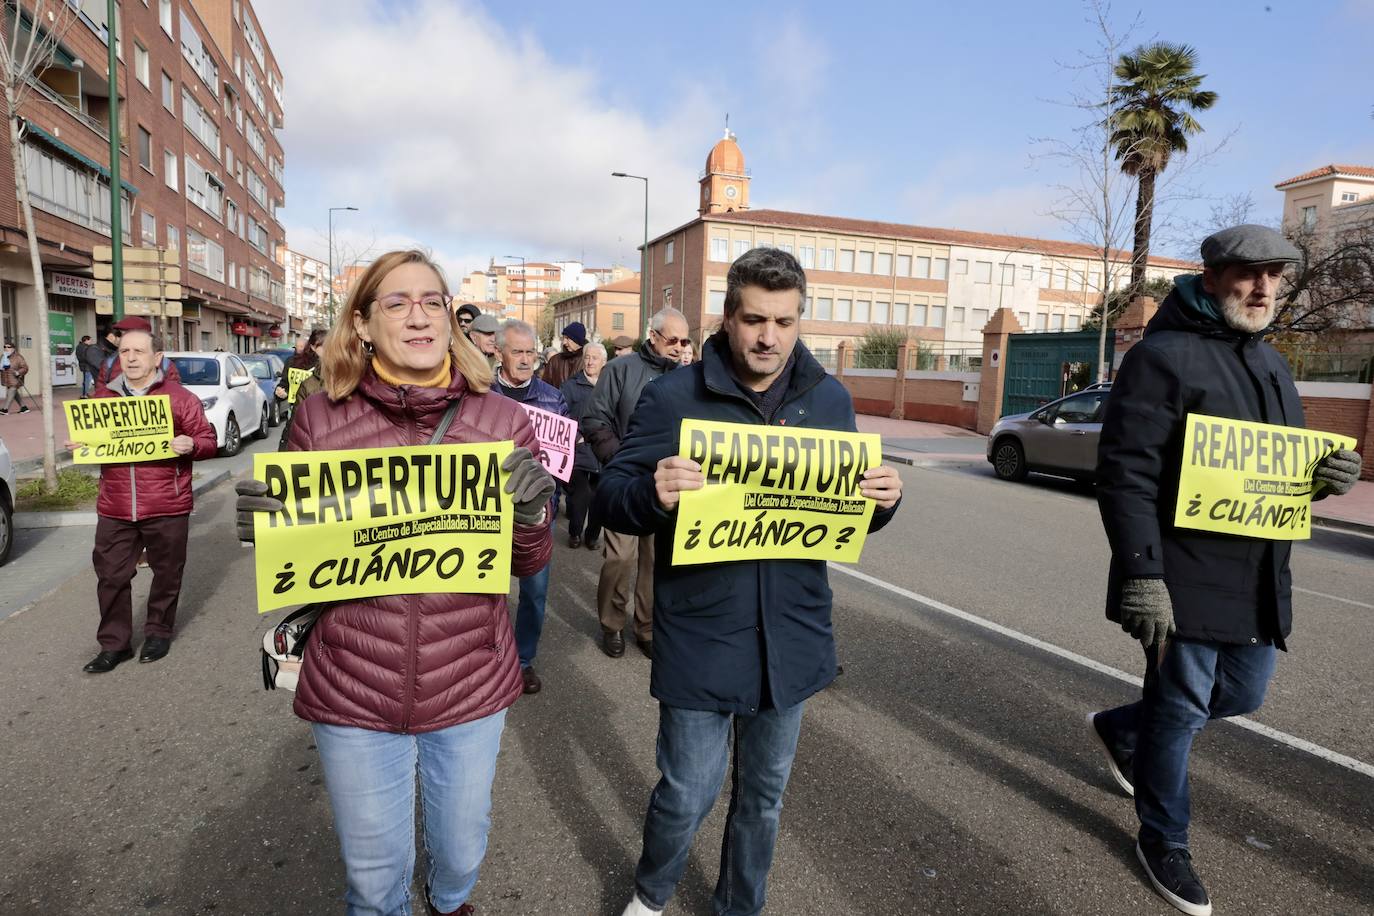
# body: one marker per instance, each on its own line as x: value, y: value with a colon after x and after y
x: 606, y: 312
x: 307, y: 293
x: 200, y: 108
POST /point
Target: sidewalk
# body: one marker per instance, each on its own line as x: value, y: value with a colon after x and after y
x: 23, y: 432
x: 915, y: 443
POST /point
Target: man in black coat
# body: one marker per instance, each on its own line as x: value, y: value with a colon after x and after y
x: 1209, y: 609
x: 738, y: 646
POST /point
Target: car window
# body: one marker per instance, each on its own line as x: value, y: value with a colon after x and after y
x: 260, y: 368
x: 236, y: 367
x: 1082, y: 408
x: 197, y: 370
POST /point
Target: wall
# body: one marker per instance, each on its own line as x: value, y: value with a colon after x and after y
x: 1340, y: 408
x: 930, y: 396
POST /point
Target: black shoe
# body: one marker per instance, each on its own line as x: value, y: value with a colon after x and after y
x: 593, y: 544
x: 574, y: 541
x: 107, y: 660
x: 613, y: 643
x: 532, y: 683
x: 154, y: 648
x: 5, y: 411
x: 23, y: 410
x: 1119, y: 759
x: 646, y: 646
x: 1171, y: 872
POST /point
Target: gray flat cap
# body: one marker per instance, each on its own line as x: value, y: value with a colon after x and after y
x: 1248, y: 244
x: 484, y: 324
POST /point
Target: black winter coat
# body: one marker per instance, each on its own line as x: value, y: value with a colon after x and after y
x: 1224, y: 588
x: 726, y: 632
x: 617, y: 392
x: 577, y: 391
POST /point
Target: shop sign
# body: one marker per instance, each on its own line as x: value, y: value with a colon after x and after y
x: 68, y: 285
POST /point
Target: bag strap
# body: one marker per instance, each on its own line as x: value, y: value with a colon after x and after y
x: 445, y: 422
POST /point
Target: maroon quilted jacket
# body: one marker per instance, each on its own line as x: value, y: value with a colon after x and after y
x: 414, y: 663
x: 148, y: 489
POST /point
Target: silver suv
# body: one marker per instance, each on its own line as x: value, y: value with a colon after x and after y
x: 8, y: 494
x: 1059, y: 438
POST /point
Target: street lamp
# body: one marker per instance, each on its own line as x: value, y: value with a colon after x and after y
x: 643, y: 259
x: 331, y: 258
x: 524, y: 281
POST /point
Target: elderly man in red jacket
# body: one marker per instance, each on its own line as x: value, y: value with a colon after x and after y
x: 145, y: 504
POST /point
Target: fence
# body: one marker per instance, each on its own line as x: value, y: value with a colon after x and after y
x: 1346, y: 365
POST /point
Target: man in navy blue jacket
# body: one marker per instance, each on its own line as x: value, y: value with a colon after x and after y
x: 518, y: 350
x: 739, y: 646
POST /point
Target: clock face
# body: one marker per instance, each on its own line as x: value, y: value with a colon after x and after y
x: 731, y: 191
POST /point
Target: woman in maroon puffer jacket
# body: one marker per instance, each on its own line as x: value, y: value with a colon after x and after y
x: 392, y: 683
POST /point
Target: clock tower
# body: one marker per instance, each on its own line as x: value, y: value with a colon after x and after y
x: 725, y: 182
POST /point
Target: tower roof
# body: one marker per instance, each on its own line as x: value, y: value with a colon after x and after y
x: 725, y: 156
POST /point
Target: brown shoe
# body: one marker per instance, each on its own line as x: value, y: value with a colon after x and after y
x: 466, y: 909
x: 532, y: 682
x: 612, y: 643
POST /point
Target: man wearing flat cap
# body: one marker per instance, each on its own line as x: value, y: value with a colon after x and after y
x: 482, y: 333
x: 1210, y: 610
x: 568, y: 361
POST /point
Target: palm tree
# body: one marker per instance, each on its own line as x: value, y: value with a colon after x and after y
x: 1150, y: 120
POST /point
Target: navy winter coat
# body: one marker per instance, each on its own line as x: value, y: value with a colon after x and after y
x: 577, y: 391
x: 1224, y: 588
x: 725, y: 633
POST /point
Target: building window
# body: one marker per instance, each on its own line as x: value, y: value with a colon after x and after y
x: 204, y: 189
x: 982, y: 271
x: 978, y: 318
x: 922, y: 268
x: 824, y: 304
x: 808, y: 256
x: 1061, y: 278
x: 169, y: 100
x: 169, y: 169
x: 827, y: 259
x: 883, y: 267
x: 880, y: 312
x: 847, y: 260
x: 145, y: 148
x: 141, y: 64
x: 903, y: 266
x: 1074, y: 323
x: 173, y: 239
x: 939, y: 269
x: 862, y: 308
x: 1056, y: 322
x: 204, y: 256
x: 787, y: 247
x: 668, y: 252
x: 667, y: 297
x: 1076, y: 280
x: 957, y: 316
x: 720, y: 249
x: 1349, y: 197
x: 715, y: 302
x: 843, y: 308
x: 1042, y: 321
x: 1008, y: 274
x: 199, y: 122
x: 233, y: 276
x: 865, y: 262
x: 1024, y: 318
x: 918, y: 315
x: 617, y: 321
x: 198, y: 55
x: 1309, y: 217
x: 937, y: 316
x: 1045, y: 275
x: 899, y: 313
x: 149, y: 228
x: 164, y: 16
x: 961, y: 267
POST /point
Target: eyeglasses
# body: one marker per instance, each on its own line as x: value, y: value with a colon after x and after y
x: 397, y: 307
x: 672, y: 341
x: 464, y: 321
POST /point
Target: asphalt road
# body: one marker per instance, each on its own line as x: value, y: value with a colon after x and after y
x: 948, y: 770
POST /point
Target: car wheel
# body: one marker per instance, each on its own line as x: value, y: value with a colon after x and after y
x: 1009, y: 460
x: 6, y: 530
x: 233, y: 440
x: 262, y: 425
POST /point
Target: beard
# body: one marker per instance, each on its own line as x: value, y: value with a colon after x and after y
x: 1243, y: 318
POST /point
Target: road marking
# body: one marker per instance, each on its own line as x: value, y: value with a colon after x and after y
x: 1308, y: 591
x: 1300, y: 744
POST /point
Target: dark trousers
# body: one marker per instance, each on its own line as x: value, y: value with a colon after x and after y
x: 580, y: 490
x: 117, y: 546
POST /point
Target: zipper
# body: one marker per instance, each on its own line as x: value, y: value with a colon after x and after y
x: 412, y: 610
x: 133, y: 494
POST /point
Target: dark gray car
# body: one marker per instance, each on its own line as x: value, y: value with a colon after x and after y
x: 1059, y: 438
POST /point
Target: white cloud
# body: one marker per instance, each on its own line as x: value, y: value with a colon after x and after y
x: 447, y: 130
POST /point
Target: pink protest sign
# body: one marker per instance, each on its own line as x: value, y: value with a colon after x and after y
x: 557, y: 440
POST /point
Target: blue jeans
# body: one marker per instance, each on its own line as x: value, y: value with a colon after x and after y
x: 87, y: 382
x: 529, y: 614
x: 1197, y: 681
x: 370, y: 776
x: 693, y: 748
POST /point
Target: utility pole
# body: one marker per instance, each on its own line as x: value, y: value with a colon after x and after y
x: 643, y: 260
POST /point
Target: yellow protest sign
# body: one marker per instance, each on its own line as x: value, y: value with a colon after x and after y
x: 294, y: 377
x: 121, y: 429
x: 773, y: 493
x: 1250, y: 479
x: 383, y: 521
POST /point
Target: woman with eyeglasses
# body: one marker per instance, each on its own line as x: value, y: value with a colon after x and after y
x: 407, y: 683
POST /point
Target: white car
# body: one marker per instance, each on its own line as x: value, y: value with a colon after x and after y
x: 8, y: 489
x: 234, y: 403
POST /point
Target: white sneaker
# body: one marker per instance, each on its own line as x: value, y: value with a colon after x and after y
x: 637, y: 907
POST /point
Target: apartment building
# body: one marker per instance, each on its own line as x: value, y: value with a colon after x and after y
x: 201, y: 169
x: 606, y: 311
x: 1313, y: 198
x: 522, y: 290
x: 307, y: 292
x: 938, y: 285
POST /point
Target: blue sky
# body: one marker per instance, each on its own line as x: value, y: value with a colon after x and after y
x: 911, y: 112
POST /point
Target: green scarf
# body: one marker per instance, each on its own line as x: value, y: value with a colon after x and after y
x: 1196, y: 299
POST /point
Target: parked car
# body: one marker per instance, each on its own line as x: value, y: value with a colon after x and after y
x: 266, y: 368
x: 8, y: 491
x: 233, y: 404
x: 1059, y: 438
x: 282, y: 353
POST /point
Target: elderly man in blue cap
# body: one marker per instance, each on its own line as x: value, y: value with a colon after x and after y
x: 1210, y: 610
x: 568, y: 362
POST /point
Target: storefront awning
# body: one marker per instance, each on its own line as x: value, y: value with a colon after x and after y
x: 49, y: 140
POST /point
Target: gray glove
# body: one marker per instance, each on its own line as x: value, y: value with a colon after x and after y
x: 1146, y: 611
x: 253, y: 498
x: 530, y: 486
x: 1339, y: 471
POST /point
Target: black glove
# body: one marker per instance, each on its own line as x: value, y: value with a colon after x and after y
x: 1339, y: 471
x: 1147, y: 613
x: 253, y: 498
x: 530, y: 486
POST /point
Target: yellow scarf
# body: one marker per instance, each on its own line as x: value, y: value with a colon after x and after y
x: 440, y: 379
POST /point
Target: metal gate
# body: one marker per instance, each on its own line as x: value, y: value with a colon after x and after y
x: 1042, y: 367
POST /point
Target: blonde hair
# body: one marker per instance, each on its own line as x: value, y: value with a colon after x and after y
x: 344, y: 358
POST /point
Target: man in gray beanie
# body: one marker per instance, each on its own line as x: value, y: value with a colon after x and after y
x: 1210, y: 610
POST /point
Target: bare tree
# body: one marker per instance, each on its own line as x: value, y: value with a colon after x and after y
x: 1332, y: 287
x: 22, y: 58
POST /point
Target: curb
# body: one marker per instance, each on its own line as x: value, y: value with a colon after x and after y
x: 35, y: 465
x: 31, y: 520
x: 1342, y: 525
